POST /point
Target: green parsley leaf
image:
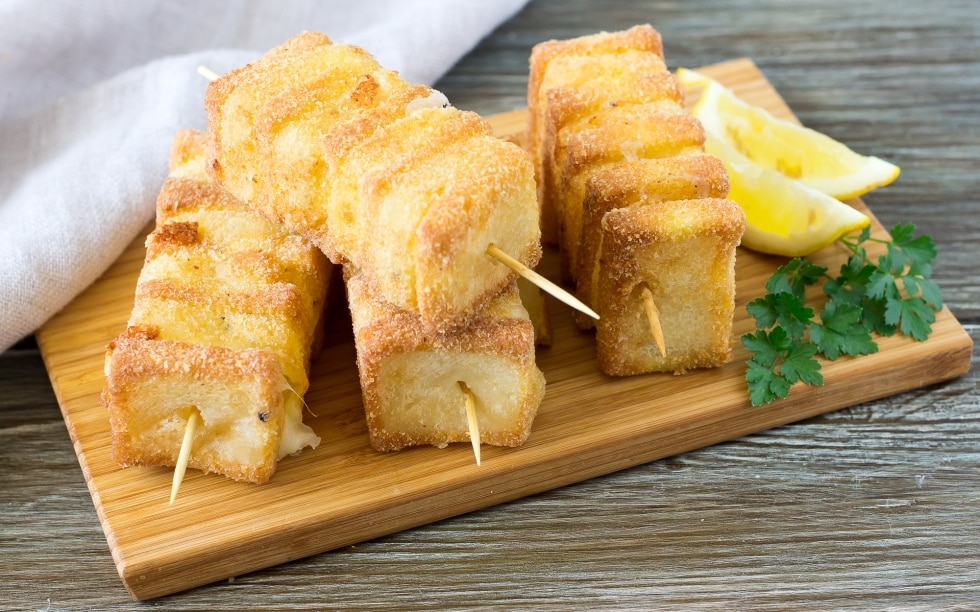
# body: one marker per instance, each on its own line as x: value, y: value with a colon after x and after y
x: 764, y: 352
x: 881, y: 285
x: 795, y: 276
x: 910, y: 255
x: 912, y: 316
x: 920, y: 253
x: 873, y: 317
x: 765, y: 385
x: 852, y: 284
x: 926, y: 289
x: 900, y: 233
x: 783, y: 309
x: 778, y: 361
x: 800, y: 364
x: 892, y: 294
x: 842, y: 332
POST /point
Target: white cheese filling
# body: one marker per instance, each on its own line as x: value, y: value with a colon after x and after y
x: 296, y: 435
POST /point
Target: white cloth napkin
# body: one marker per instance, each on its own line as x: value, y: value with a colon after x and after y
x: 92, y: 92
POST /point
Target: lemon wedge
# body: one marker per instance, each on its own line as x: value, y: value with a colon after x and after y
x: 785, y: 177
x: 782, y: 216
x: 797, y: 152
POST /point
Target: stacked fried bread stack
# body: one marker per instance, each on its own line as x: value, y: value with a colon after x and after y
x: 411, y: 380
x: 637, y: 207
x: 227, y: 315
x: 407, y: 193
x: 381, y: 174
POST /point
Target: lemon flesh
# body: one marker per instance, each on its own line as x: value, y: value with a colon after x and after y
x: 783, y: 216
x: 785, y: 177
x: 797, y: 152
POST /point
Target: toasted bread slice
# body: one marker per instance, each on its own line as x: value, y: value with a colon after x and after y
x: 381, y: 174
x: 227, y: 316
x: 683, y: 252
x: 410, y: 379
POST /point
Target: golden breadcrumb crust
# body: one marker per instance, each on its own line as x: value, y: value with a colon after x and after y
x: 637, y: 204
x: 409, y: 378
x: 683, y: 252
x: 579, y: 61
x: 226, y: 318
x: 616, y: 135
x: 379, y: 173
x: 639, y: 183
x: 153, y: 385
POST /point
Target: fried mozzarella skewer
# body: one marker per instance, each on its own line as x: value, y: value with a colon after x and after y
x: 379, y: 173
x: 643, y: 229
x: 226, y: 318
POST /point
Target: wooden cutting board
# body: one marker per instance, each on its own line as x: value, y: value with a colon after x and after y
x: 344, y: 492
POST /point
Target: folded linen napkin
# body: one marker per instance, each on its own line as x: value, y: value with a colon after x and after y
x: 93, y: 92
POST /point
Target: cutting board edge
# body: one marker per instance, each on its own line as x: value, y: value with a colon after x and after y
x: 954, y: 349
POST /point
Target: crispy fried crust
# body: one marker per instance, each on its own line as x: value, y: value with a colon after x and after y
x: 153, y: 385
x: 188, y: 155
x: 637, y: 202
x: 683, y: 251
x: 226, y: 317
x: 379, y: 173
x: 617, y: 135
x: 597, y: 61
x: 236, y: 281
x: 601, y: 100
x: 409, y: 378
x: 639, y: 183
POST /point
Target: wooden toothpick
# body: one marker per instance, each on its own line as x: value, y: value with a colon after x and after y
x: 653, y: 317
x: 207, y: 73
x: 471, y: 420
x: 185, y: 453
x: 540, y: 281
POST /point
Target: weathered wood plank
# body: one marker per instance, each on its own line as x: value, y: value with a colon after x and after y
x: 869, y: 507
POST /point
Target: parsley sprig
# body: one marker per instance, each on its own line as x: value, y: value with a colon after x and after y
x: 892, y: 295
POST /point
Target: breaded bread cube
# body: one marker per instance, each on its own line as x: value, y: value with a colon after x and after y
x: 154, y: 385
x: 432, y: 191
x: 683, y: 252
x: 226, y: 317
x: 577, y: 102
x: 410, y: 380
x: 379, y: 173
x: 603, y: 60
x: 638, y: 183
x: 615, y: 135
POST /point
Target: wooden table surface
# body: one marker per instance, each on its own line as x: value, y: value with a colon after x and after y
x: 872, y: 507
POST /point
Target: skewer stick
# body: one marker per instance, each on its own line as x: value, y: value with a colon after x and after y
x: 185, y: 453
x: 493, y: 251
x: 540, y: 281
x: 207, y: 73
x: 471, y: 420
x: 653, y: 317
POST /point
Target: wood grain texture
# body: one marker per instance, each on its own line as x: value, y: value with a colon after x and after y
x: 868, y: 507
